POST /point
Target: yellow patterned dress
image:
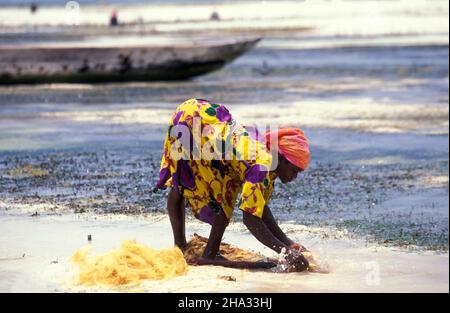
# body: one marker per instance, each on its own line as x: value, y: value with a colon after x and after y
x: 219, y: 160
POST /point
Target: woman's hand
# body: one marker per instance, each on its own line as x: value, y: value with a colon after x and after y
x: 298, y: 247
x: 296, y: 260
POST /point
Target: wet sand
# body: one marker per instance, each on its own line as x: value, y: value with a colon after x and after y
x: 35, y: 259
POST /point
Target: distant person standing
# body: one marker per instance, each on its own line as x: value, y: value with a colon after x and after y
x: 33, y: 8
x: 114, y: 20
x: 215, y: 16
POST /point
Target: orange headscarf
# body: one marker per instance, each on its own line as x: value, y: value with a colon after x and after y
x: 292, y: 144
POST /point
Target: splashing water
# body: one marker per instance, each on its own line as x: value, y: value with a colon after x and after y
x: 315, y: 266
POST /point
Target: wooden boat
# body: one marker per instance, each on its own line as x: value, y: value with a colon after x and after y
x: 113, y: 61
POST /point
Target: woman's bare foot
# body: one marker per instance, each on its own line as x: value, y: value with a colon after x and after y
x: 222, y: 261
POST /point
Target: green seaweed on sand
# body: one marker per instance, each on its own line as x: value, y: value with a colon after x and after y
x: 27, y: 170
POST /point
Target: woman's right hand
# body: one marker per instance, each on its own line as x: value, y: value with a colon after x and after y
x: 296, y: 260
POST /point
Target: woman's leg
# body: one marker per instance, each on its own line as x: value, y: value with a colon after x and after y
x: 215, y: 237
x: 177, y: 214
x: 210, y: 255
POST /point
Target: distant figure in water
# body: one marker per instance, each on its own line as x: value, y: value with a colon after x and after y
x: 114, y: 20
x: 215, y: 16
x: 210, y: 187
x: 33, y: 8
x: 265, y: 69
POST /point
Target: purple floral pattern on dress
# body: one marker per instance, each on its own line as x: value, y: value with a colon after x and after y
x: 185, y: 174
x: 206, y: 215
x: 164, y: 175
x: 177, y: 117
x: 223, y: 115
x: 256, y: 174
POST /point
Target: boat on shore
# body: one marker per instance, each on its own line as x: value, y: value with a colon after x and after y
x: 116, y: 60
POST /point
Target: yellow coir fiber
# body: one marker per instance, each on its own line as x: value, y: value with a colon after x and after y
x: 129, y: 264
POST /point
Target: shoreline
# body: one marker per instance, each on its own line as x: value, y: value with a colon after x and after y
x: 352, y: 264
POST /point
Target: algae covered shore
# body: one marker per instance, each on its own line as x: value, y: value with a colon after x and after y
x: 83, y: 159
x: 387, y: 201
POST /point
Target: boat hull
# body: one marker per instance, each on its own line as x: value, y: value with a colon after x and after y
x: 84, y: 64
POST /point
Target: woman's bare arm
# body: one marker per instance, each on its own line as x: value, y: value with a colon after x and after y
x: 272, y: 224
x: 261, y: 232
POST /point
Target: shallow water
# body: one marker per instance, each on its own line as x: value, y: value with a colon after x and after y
x: 394, y: 51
